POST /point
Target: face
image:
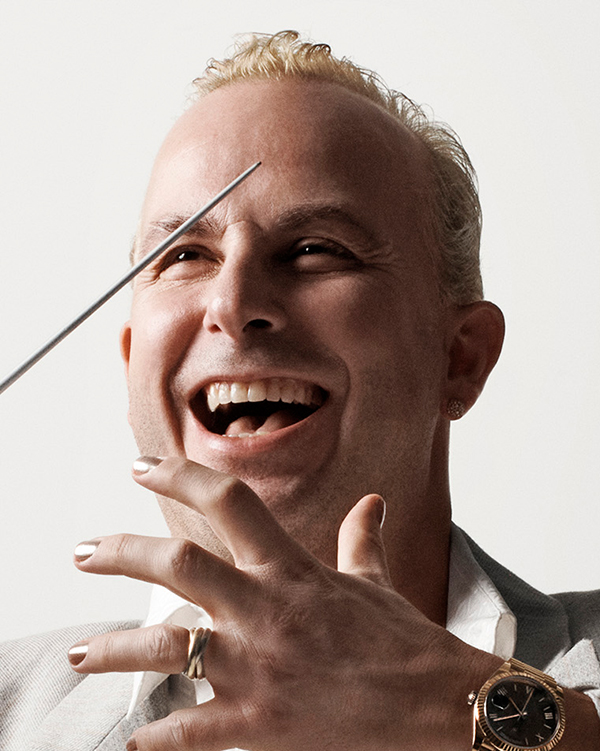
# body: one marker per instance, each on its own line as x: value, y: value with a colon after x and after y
x: 294, y: 338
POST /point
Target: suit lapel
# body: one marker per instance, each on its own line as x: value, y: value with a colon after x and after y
x: 542, y: 622
x: 92, y: 716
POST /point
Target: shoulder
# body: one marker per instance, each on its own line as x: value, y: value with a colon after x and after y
x: 547, y: 625
x: 35, y: 675
x: 583, y: 612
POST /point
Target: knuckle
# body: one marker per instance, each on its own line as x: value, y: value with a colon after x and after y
x: 157, y: 642
x: 180, y: 732
x: 169, y: 644
x: 183, y: 559
x: 267, y: 712
x: 181, y: 473
x: 103, y: 649
x: 121, y: 548
x: 227, y: 493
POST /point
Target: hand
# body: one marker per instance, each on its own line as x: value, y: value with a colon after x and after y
x: 302, y: 656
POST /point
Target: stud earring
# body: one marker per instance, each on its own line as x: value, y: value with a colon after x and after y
x: 455, y: 409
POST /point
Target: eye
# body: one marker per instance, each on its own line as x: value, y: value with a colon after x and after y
x: 313, y: 248
x: 186, y: 263
x: 179, y: 255
x: 322, y: 256
x: 188, y: 254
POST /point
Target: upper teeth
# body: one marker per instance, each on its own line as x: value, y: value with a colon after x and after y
x: 271, y: 390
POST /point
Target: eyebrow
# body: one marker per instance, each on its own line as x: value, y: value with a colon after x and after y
x: 160, y: 228
x: 169, y: 223
x: 304, y: 214
x: 293, y: 219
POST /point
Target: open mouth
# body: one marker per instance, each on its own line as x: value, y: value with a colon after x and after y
x: 242, y: 410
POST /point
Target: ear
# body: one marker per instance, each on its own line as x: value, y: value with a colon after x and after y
x: 125, y: 345
x: 474, y: 347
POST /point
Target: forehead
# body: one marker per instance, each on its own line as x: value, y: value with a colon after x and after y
x: 317, y: 141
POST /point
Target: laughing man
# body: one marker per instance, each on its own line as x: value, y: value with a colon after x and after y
x: 294, y: 363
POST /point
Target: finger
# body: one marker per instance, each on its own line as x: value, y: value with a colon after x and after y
x: 162, y: 649
x: 210, y: 727
x: 180, y: 565
x: 361, y: 551
x: 235, y: 513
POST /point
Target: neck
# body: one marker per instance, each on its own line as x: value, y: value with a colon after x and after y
x: 417, y: 539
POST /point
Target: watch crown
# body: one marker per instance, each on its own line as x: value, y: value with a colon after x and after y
x: 472, y: 698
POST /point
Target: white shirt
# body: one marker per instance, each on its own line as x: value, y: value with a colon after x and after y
x: 477, y: 614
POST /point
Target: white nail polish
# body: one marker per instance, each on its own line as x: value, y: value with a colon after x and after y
x: 144, y: 464
x: 78, y: 653
x: 85, y: 550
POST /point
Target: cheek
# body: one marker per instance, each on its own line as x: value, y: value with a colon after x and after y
x: 359, y: 316
x: 160, y: 331
x: 344, y: 307
x: 388, y: 338
x: 158, y: 340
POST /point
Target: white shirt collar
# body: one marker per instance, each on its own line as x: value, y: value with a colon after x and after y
x: 477, y: 614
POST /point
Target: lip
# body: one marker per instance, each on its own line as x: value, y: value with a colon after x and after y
x: 307, y: 432
x: 307, y: 429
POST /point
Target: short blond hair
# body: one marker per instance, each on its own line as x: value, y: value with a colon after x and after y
x: 455, y: 207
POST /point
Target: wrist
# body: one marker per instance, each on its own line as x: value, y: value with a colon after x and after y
x: 480, y: 668
x: 451, y: 717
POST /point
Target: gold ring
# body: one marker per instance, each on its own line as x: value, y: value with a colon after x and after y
x: 195, y: 663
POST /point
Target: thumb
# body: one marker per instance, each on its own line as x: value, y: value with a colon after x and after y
x: 361, y: 551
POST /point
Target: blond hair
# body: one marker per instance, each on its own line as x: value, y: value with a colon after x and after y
x: 455, y: 208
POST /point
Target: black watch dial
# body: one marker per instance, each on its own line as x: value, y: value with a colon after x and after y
x: 522, y: 712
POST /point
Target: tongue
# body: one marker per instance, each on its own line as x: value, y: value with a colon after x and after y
x: 250, y: 424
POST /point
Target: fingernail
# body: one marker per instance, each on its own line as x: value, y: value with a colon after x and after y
x: 131, y: 745
x: 85, y: 550
x: 145, y: 463
x: 381, y: 511
x: 77, y: 653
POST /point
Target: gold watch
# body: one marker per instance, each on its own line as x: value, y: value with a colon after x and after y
x: 517, y: 709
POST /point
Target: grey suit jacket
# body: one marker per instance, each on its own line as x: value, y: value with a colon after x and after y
x: 45, y: 706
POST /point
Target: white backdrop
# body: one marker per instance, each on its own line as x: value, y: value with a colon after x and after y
x: 87, y: 90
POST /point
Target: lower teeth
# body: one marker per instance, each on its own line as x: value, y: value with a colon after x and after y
x: 248, y: 435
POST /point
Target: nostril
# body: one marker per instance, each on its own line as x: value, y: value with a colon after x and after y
x: 258, y: 323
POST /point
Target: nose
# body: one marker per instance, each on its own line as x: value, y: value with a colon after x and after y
x: 242, y: 298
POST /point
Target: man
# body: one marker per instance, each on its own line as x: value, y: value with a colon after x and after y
x: 294, y: 363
